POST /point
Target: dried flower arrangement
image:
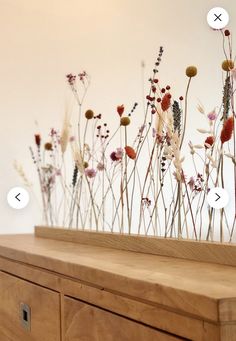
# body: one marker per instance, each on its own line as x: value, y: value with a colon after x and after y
x: 142, y: 186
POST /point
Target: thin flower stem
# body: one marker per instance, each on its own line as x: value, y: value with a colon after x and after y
x: 185, y: 113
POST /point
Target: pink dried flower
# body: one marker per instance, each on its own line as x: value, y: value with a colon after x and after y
x: 52, y: 179
x: 119, y: 153
x: 191, y: 183
x: 100, y: 167
x: 146, y: 202
x: 154, y: 133
x: 57, y: 172
x: 82, y: 75
x: 141, y: 129
x: 196, y: 184
x: 90, y: 172
x: 212, y: 115
x: 53, y: 132
x: 72, y: 139
x: 113, y: 156
x: 71, y: 79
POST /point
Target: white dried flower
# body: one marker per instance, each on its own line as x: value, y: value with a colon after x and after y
x: 198, y: 146
x: 160, y: 120
x: 201, y: 109
x: 203, y: 131
x: 77, y: 157
x: 213, y: 162
x: 18, y: 167
x: 230, y: 156
x: 65, y: 133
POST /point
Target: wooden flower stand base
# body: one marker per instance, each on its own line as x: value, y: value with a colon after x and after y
x: 61, y: 284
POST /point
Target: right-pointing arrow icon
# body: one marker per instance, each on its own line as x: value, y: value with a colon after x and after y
x: 217, y: 198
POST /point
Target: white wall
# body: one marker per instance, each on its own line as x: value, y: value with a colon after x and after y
x: 43, y: 40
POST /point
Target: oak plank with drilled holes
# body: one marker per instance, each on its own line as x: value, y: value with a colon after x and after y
x: 210, y: 252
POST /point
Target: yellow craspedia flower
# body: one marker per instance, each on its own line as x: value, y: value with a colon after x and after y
x: 227, y: 65
x: 89, y: 114
x: 191, y: 71
x: 125, y: 121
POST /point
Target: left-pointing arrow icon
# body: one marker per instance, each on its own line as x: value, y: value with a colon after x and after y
x: 17, y: 197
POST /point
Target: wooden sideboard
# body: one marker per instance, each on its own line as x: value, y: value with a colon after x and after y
x: 56, y: 290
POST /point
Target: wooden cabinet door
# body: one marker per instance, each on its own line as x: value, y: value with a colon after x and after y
x: 84, y: 322
x: 28, y: 312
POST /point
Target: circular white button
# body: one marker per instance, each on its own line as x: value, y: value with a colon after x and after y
x: 18, y: 198
x: 217, y: 18
x: 218, y: 198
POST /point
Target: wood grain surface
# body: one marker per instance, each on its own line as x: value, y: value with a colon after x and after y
x: 44, y: 305
x: 84, y: 322
x: 194, y: 300
x: 187, y: 287
x: 192, y: 250
x: 153, y: 315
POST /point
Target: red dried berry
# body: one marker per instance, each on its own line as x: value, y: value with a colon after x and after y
x: 227, y: 33
x: 181, y: 98
x: 37, y: 138
x: 155, y: 80
x: 120, y: 109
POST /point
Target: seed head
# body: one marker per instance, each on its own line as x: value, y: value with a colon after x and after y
x: 191, y: 71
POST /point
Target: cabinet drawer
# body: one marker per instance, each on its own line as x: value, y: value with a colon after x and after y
x: 28, y: 312
x: 84, y: 322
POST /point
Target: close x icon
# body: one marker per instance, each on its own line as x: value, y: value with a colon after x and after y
x: 218, y: 17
